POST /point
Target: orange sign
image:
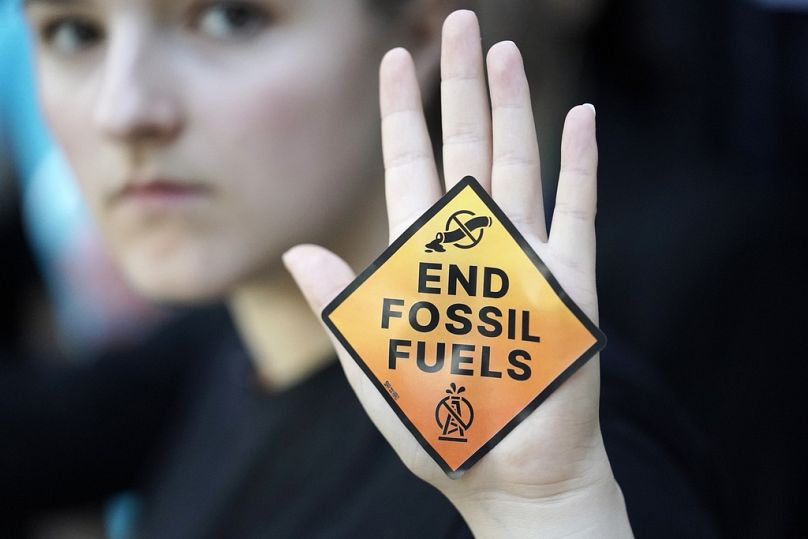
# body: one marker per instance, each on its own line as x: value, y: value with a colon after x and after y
x: 462, y: 327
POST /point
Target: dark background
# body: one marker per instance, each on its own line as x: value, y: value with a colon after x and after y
x: 702, y: 234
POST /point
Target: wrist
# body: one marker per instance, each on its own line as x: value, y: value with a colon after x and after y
x: 588, y: 507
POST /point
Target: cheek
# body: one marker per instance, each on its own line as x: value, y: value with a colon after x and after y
x: 62, y: 116
x: 268, y: 129
x: 68, y: 111
x: 297, y: 145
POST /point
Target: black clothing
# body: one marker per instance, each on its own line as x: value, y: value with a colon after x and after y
x: 216, y: 456
x: 306, y: 462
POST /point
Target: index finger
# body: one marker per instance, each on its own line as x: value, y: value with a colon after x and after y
x: 411, y: 177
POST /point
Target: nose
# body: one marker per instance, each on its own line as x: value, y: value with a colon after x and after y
x: 137, y: 102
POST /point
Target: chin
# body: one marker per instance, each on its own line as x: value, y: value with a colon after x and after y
x: 178, y: 291
x: 187, y: 268
x: 173, y: 280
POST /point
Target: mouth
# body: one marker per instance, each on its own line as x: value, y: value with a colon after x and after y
x: 161, y: 195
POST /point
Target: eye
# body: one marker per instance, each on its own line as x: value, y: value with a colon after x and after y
x: 232, y: 19
x: 70, y: 35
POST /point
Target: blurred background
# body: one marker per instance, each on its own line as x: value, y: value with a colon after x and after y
x: 703, y: 133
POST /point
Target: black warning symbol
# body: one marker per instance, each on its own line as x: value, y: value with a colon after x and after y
x: 454, y: 415
x: 463, y: 229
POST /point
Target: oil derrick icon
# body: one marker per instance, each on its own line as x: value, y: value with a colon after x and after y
x: 454, y: 415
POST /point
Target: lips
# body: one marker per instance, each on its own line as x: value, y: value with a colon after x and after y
x: 160, y: 188
x: 161, y: 195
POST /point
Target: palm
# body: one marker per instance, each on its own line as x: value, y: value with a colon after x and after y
x: 494, y: 141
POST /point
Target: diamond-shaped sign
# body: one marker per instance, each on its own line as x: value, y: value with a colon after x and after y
x: 461, y: 327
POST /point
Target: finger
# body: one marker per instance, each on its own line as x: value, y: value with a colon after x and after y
x: 516, y: 172
x: 572, y: 234
x: 411, y: 177
x: 466, y: 115
x: 321, y: 275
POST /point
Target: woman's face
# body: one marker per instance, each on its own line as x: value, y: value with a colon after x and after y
x: 208, y: 137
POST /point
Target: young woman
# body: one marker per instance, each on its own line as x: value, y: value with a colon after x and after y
x: 216, y: 141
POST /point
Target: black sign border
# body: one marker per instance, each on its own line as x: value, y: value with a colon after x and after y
x: 600, y: 337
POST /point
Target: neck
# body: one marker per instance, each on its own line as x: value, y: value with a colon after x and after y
x: 282, y: 335
x: 285, y: 339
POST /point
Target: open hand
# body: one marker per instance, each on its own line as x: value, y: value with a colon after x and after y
x: 550, y: 475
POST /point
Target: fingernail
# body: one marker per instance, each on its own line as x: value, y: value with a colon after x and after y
x: 591, y: 106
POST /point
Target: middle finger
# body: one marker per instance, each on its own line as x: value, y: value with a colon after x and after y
x: 465, y: 111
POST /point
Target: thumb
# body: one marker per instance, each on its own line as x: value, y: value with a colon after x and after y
x: 319, y: 273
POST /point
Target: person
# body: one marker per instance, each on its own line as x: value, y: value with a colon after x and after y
x: 213, y: 141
